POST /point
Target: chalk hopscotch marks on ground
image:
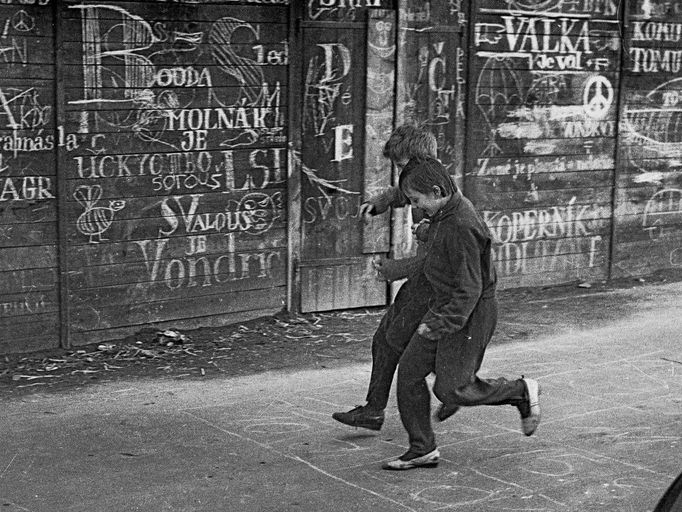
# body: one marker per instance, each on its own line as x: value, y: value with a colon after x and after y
x: 453, y: 496
x: 275, y: 427
x: 469, y: 489
x: 627, y: 435
x: 630, y: 378
x: 330, y: 448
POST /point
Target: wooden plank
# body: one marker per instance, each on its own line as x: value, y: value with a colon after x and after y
x: 23, y: 307
x: 643, y: 257
x: 29, y: 279
x: 35, y: 331
x: 601, y: 10
x: 341, y: 286
x: 381, y: 48
x: 516, y: 181
x: 227, y: 271
x: 88, y: 317
x: 31, y: 343
x: 578, y: 275
x: 484, y: 199
x: 28, y: 234
x: 156, y: 228
x: 144, y: 250
x: 19, y: 258
x: 177, y: 15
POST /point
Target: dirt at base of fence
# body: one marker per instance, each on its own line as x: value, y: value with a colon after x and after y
x: 294, y: 342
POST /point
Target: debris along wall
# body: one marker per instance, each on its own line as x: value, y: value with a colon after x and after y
x: 649, y: 189
x: 542, y: 123
x: 29, y: 295
x: 174, y: 160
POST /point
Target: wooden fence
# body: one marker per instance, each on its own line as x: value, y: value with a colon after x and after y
x: 196, y: 163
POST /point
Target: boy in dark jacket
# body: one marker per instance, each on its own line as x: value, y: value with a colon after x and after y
x: 403, y: 315
x: 452, y: 336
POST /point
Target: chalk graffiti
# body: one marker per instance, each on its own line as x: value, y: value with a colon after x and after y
x: 663, y: 214
x: 553, y: 222
x: 498, y: 92
x: 200, y: 268
x: 26, y: 188
x: 95, y: 220
x: 325, y: 87
x: 322, y: 208
x: 125, y: 64
x: 255, y: 213
x: 527, y: 168
x: 27, y: 305
x: 550, y: 239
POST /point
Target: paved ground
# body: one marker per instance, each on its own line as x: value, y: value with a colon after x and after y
x: 609, y: 440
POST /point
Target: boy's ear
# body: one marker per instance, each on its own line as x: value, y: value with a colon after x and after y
x: 437, y: 191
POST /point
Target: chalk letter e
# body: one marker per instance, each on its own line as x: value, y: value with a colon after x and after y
x: 343, y: 142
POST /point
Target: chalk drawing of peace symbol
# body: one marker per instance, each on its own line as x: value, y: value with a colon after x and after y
x: 597, y: 97
x: 23, y: 21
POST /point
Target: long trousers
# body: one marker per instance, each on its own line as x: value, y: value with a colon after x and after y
x: 393, y: 334
x: 455, y: 360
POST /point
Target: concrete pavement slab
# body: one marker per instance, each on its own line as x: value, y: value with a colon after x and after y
x: 609, y: 439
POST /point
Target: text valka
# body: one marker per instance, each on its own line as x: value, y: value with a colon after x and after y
x: 526, y: 34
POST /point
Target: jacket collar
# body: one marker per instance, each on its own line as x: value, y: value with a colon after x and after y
x: 449, y: 208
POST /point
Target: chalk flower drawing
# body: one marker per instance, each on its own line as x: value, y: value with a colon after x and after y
x: 95, y: 220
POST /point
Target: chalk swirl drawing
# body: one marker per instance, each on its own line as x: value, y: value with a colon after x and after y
x: 95, y: 220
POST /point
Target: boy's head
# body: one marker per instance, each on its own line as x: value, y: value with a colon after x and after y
x: 427, y: 184
x: 410, y: 141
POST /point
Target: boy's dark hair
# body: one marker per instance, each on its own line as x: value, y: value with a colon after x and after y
x: 410, y: 141
x: 422, y: 174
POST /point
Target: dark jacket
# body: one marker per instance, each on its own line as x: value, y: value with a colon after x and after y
x: 458, y: 265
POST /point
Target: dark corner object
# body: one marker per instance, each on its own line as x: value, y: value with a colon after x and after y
x: 671, y: 501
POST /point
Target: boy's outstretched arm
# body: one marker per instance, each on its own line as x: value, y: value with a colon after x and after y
x: 390, y: 197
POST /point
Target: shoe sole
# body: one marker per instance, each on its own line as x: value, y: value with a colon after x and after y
x: 430, y: 460
x: 530, y: 424
x: 440, y: 416
x: 368, y: 426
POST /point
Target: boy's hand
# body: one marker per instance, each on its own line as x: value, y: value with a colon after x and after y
x: 367, y: 211
x: 424, y: 331
x: 421, y: 230
x: 378, y: 265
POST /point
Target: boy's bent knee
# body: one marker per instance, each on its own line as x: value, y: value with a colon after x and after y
x: 463, y: 395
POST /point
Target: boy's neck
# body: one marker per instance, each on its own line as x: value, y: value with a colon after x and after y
x: 442, y: 202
